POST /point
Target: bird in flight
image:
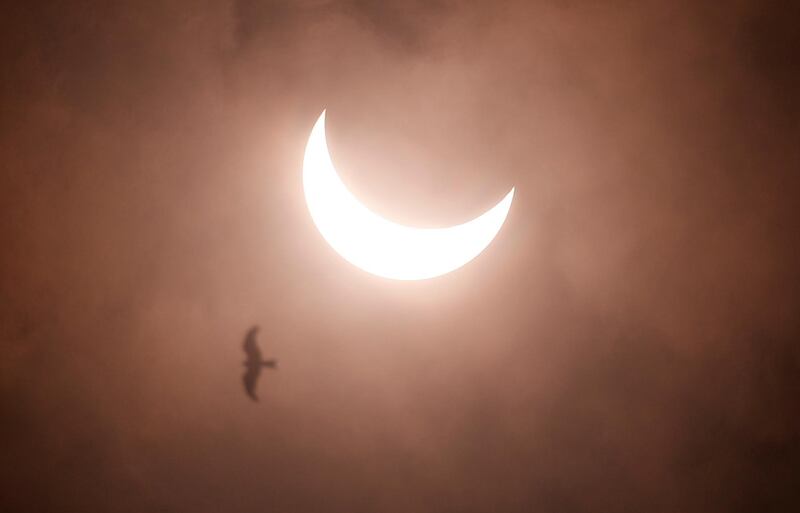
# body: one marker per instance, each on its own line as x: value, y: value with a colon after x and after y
x: 254, y: 363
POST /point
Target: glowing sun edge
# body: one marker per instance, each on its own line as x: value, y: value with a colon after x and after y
x: 378, y: 245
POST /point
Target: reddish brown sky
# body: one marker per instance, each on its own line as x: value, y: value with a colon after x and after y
x: 629, y: 342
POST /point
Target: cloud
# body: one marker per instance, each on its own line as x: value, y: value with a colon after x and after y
x: 629, y: 340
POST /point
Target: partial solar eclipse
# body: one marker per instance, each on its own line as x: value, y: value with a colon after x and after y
x: 378, y: 245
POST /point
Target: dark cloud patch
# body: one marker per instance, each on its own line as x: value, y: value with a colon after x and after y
x: 768, y: 40
x: 406, y: 26
x: 254, y: 17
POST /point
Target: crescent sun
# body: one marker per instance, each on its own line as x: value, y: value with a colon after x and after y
x: 380, y: 246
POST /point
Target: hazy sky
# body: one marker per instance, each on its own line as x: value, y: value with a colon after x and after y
x: 629, y: 341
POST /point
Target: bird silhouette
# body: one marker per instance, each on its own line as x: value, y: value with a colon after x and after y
x: 254, y: 363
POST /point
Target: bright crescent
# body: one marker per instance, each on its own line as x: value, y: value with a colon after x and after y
x: 378, y: 245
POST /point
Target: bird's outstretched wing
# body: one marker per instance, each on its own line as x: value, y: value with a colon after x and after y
x: 250, y: 378
x: 250, y: 347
